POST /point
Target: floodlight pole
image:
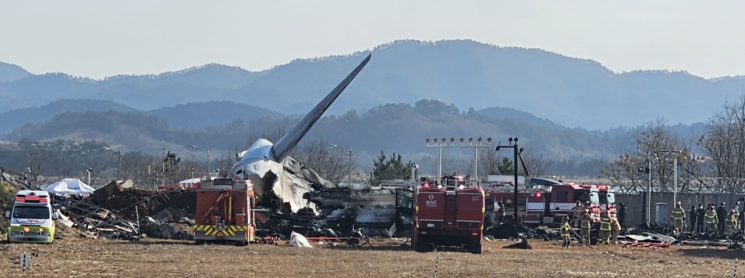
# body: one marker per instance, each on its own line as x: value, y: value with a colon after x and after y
x: 475, y: 146
x: 440, y: 145
x: 516, y: 152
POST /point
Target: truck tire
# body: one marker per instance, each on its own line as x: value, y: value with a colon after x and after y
x: 199, y: 242
x: 475, y: 248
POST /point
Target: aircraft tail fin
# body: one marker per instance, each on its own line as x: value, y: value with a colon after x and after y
x: 289, y: 140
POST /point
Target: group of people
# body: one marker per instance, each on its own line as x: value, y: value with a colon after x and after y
x: 610, y: 227
x: 710, y: 220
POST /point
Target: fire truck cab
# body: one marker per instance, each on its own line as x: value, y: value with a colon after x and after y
x: 448, y: 214
x: 547, y: 204
x: 225, y: 212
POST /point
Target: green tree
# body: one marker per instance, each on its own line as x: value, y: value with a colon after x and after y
x: 389, y: 167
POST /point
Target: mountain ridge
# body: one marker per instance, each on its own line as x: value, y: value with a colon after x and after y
x: 565, y: 90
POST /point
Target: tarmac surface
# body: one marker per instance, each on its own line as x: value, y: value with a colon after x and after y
x: 75, y: 257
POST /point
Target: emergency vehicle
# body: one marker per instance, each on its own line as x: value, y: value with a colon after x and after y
x: 448, y: 214
x: 547, y: 204
x: 32, y: 218
x: 225, y: 212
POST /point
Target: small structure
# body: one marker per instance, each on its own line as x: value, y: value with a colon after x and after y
x: 70, y: 187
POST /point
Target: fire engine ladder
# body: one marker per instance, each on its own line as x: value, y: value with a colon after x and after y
x: 450, y: 209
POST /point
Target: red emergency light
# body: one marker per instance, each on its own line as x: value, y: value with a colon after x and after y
x: 602, y: 187
x: 425, y: 185
x: 538, y: 194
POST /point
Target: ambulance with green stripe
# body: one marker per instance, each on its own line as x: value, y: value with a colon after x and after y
x: 32, y: 218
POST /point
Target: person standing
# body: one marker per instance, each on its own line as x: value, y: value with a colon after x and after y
x: 731, y: 222
x: 565, y: 231
x: 621, y: 215
x: 722, y: 215
x: 678, y: 216
x: 615, y: 229
x: 693, y: 218
x: 711, y: 220
x: 585, y: 224
x: 738, y: 211
x: 700, y: 212
x: 576, y: 213
x: 605, y: 228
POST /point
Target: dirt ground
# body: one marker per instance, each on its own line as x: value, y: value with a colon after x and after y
x: 167, y: 258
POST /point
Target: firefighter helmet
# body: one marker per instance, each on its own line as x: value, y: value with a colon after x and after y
x: 565, y: 218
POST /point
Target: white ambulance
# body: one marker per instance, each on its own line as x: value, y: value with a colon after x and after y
x: 32, y: 218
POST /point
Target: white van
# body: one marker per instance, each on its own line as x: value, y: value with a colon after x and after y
x: 32, y: 218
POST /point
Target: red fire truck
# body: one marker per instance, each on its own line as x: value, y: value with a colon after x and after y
x: 546, y: 205
x: 224, y: 211
x: 448, y: 214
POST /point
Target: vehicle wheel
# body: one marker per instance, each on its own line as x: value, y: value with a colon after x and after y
x: 475, y: 248
x: 199, y: 242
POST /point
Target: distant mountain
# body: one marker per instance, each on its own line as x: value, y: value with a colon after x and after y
x: 19, y: 117
x: 200, y: 115
x: 399, y: 128
x: 510, y: 113
x: 192, y: 115
x: 566, y: 91
x: 10, y: 72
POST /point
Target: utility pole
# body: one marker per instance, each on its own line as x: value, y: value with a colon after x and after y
x: 349, y: 151
x: 118, y: 161
x: 442, y: 144
x: 675, y: 173
x: 516, y: 151
x: 89, y: 170
x: 476, y: 147
x: 209, y: 159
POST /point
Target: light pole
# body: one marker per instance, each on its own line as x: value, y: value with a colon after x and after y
x: 675, y: 173
x: 333, y: 146
x: 118, y: 161
x: 89, y: 170
x: 475, y: 147
x: 517, y: 150
x: 208, y: 158
x: 439, y: 146
x: 649, y: 188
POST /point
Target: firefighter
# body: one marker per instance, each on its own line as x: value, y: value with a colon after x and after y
x: 585, y: 224
x: 576, y: 213
x: 731, y: 222
x: 710, y: 217
x: 737, y: 215
x: 605, y: 228
x: 678, y: 216
x: 615, y: 229
x: 565, y: 231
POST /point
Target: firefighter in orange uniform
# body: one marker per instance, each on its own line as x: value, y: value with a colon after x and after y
x: 585, y: 225
x: 576, y: 213
x: 565, y: 231
x: 605, y: 228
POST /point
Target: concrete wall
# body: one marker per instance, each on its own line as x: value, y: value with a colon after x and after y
x: 635, y: 204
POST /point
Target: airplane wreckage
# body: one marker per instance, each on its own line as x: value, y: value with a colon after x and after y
x: 296, y: 198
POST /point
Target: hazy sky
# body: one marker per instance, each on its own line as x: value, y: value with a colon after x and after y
x: 104, y: 38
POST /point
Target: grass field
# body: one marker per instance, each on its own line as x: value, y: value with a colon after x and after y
x: 165, y: 258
